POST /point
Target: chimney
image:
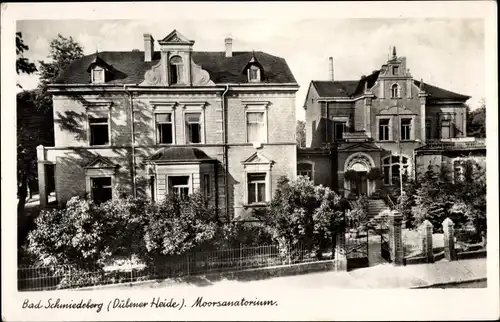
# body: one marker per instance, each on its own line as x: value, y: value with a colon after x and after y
x: 229, y: 47
x: 149, y: 47
x: 331, y: 69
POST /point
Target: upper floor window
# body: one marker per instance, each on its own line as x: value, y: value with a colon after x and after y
x: 391, y: 166
x: 383, y: 129
x: 98, y: 76
x: 255, y: 127
x: 395, y: 91
x: 339, y: 128
x: 395, y: 70
x: 405, y: 129
x: 253, y: 73
x: 99, y: 131
x: 193, y: 127
x: 176, y: 70
x: 305, y: 169
x: 206, y: 186
x: 428, y: 129
x: 446, y: 129
x: 256, y: 187
x: 164, y: 128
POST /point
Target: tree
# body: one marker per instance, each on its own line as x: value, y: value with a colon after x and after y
x: 476, y: 121
x: 301, y: 134
x: 301, y: 213
x: 23, y: 65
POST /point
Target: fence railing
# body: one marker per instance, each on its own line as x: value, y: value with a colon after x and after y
x: 191, y: 263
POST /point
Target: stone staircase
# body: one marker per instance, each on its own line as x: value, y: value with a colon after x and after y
x: 375, y: 213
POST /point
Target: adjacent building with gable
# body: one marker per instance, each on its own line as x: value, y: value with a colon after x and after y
x: 170, y: 119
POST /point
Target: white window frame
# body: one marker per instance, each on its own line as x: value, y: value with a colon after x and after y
x: 395, y: 68
x: 189, y: 184
x: 192, y: 108
x: 91, y: 173
x: 257, y: 107
x: 160, y: 107
x: 412, y: 128
x: 98, y: 110
x: 263, y: 165
x: 390, y: 138
x: 249, y: 73
x: 265, y: 181
x: 99, y: 70
x: 398, y: 90
x: 180, y: 76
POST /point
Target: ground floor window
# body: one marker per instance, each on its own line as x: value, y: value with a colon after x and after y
x: 391, y: 169
x: 179, y: 185
x: 101, y: 189
x: 305, y: 169
x: 206, y: 186
x: 256, y: 187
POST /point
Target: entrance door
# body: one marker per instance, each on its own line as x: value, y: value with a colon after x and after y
x: 363, y: 183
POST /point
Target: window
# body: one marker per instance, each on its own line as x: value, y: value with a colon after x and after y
x: 193, y: 127
x: 206, y: 185
x: 99, y: 131
x: 176, y: 70
x: 339, y: 128
x: 254, y: 73
x: 383, y: 129
x: 459, y: 171
x: 152, y: 187
x: 395, y: 70
x: 255, y: 127
x: 179, y: 185
x: 445, y: 129
x: 101, y: 189
x: 164, y: 128
x: 428, y: 129
x: 97, y: 75
x: 305, y: 169
x: 395, y: 91
x: 391, y: 169
x: 405, y: 129
x: 256, y: 188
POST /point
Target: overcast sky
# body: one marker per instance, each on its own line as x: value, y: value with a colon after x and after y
x: 448, y: 53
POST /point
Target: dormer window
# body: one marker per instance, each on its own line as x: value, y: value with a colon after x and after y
x: 395, y: 70
x: 98, y: 75
x: 254, y: 73
x: 176, y: 70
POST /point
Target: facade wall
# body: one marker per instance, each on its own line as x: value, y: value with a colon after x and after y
x: 458, y: 113
x: 323, y: 168
x: 314, y: 127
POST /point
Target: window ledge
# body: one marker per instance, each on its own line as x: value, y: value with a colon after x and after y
x: 256, y: 205
x: 100, y: 146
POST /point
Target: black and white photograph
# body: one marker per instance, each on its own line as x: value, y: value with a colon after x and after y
x: 162, y: 158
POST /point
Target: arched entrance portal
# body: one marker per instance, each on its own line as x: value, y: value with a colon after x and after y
x: 356, y: 179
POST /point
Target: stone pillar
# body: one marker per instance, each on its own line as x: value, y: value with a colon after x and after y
x: 395, y: 237
x: 340, y: 261
x: 449, y: 240
x: 42, y: 176
x: 426, y: 230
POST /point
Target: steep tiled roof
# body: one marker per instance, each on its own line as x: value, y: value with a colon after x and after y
x: 130, y: 67
x: 180, y: 154
x: 439, y: 93
x: 356, y: 88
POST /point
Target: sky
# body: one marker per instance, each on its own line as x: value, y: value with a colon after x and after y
x: 448, y: 53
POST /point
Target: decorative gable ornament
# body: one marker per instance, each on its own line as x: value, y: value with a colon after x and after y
x: 257, y: 158
x: 101, y: 163
x: 175, y: 37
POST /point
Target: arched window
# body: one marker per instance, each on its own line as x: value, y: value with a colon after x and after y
x: 305, y: 169
x: 254, y: 73
x: 391, y: 169
x: 395, y: 91
x: 176, y: 70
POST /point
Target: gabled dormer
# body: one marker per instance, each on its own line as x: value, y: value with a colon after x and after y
x: 253, y: 70
x: 99, y: 70
x: 176, y: 56
x: 394, y: 80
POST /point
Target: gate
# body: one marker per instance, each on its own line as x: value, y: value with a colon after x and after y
x: 356, y: 246
x: 385, y: 247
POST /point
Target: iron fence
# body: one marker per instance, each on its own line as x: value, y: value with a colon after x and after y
x: 32, y: 278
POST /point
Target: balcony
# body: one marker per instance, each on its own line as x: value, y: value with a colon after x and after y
x: 455, y: 144
x: 359, y: 136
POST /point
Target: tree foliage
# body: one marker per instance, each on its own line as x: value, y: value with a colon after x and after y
x: 23, y: 65
x: 301, y: 134
x: 476, y: 121
x: 301, y: 213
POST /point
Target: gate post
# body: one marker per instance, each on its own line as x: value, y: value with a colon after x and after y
x: 340, y: 260
x: 426, y: 234
x: 395, y: 237
x: 449, y: 240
